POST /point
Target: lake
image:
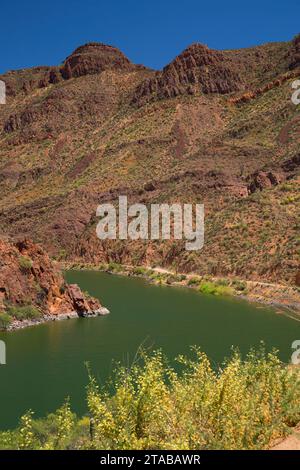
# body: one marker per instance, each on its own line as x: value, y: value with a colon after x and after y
x: 46, y: 363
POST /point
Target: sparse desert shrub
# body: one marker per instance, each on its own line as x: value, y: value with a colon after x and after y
x: 25, y: 263
x: 62, y: 255
x: 62, y: 289
x: 87, y: 295
x: 158, y: 278
x: 178, y: 277
x: 286, y: 187
x: 5, y: 320
x: 290, y: 199
x: 140, y: 271
x: 24, y: 312
x: 103, y: 267
x: 114, y: 267
x: 223, y: 282
x: 240, y: 286
x: 193, y: 281
x: 208, y: 287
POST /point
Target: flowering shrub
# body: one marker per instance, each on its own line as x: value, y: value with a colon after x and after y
x: 245, y: 404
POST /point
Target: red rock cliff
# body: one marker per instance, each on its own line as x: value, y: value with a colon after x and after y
x: 29, y: 277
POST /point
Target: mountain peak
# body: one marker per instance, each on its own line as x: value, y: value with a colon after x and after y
x: 93, y: 58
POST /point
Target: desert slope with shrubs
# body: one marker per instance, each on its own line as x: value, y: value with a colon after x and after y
x: 213, y: 127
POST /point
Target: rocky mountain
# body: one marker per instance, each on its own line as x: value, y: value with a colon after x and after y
x: 213, y: 127
x: 32, y: 286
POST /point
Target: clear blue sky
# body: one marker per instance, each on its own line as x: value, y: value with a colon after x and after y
x: 44, y: 32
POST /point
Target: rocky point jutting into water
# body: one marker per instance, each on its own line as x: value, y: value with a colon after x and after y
x: 32, y: 288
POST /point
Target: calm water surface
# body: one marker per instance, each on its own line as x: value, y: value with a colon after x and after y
x: 45, y: 363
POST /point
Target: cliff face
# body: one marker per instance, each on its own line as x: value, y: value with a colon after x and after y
x: 197, y: 69
x: 29, y: 277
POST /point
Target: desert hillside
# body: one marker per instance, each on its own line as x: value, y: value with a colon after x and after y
x: 213, y: 127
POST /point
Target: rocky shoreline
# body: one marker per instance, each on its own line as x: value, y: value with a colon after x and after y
x: 285, y: 299
x: 21, y: 324
x: 34, y: 291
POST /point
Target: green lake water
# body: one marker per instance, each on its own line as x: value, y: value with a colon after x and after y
x: 45, y: 363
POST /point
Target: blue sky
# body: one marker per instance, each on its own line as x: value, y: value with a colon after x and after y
x: 150, y: 32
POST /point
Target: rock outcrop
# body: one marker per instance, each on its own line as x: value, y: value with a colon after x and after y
x: 294, y: 53
x: 95, y: 58
x: 29, y: 277
x: 263, y: 179
x: 198, y: 68
x: 24, y: 81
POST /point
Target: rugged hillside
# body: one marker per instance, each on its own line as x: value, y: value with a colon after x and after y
x: 200, y: 69
x: 213, y: 126
x: 31, y: 286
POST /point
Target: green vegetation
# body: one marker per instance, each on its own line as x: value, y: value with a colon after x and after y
x: 204, y: 285
x: 140, y: 271
x: 23, y: 312
x: 87, y: 295
x: 210, y: 284
x: 5, y: 320
x: 115, y: 267
x: 240, y: 286
x: 193, y: 281
x: 165, y: 278
x: 62, y: 255
x: 176, y: 278
x: 213, y: 288
x: 244, y: 404
x: 25, y: 263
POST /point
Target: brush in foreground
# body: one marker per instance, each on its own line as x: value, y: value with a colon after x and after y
x: 245, y: 404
